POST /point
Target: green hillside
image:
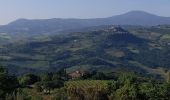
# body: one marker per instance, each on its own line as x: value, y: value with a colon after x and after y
x: 103, y: 49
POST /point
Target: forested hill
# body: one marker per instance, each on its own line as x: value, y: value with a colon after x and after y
x: 111, y: 48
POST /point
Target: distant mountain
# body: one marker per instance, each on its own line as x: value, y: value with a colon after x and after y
x: 55, y: 25
x: 139, y: 18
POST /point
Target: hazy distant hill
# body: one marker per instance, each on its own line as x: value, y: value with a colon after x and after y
x: 49, y: 26
x: 139, y: 18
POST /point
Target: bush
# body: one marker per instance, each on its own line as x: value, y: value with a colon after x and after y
x: 28, y: 79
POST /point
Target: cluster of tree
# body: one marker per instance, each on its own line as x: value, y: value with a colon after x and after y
x: 125, y: 86
x: 11, y: 87
x: 44, y: 82
x: 8, y: 84
x: 131, y: 87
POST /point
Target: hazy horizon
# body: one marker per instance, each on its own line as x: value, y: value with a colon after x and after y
x: 31, y: 9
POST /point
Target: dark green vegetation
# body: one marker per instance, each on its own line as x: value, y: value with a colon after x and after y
x: 8, y: 84
x: 58, y: 86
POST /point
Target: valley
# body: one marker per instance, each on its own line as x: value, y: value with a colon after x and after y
x: 123, y: 57
x: 106, y: 47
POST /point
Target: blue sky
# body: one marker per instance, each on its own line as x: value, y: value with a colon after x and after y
x: 43, y: 9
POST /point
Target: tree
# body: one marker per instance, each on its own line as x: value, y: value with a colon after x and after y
x: 154, y: 91
x: 99, y: 76
x: 127, y: 92
x: 28, y: 79
x: 47, y: 77
x: 148, y: 91
x: 8, y: 84
x: 60, y: 75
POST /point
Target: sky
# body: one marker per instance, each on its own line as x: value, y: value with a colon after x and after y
x: 11, y: 10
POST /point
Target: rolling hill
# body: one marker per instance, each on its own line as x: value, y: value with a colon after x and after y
x: 90, y: 44
x: 103, y: 48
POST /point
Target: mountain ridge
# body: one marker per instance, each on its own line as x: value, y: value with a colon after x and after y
x: 138, y: 12
x: 25, y: 29
x: 56, y: 25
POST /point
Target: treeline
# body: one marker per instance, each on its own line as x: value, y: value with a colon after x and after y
x: 11, y: 87
x: 90, y: 86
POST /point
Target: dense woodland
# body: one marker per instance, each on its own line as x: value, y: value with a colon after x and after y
x: 91, y: 86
